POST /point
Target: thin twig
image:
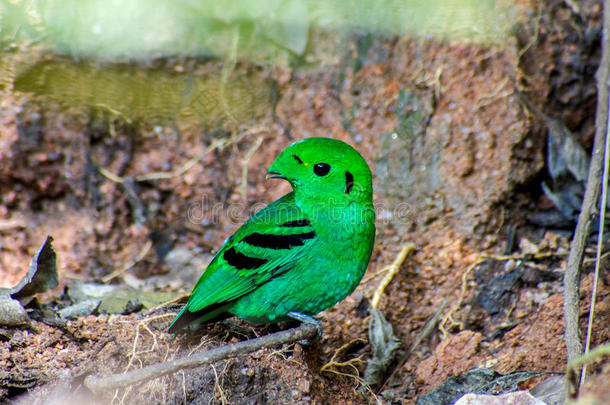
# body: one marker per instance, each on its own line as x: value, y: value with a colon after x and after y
x: 129, y: 264
x: 602, y: 257
x: 571, y: 280
x: 449, y: 315
x: 244, y: 167
x: 494, y: 95
x: 180, y: 298
x: 482, y: 258
x: 600, y: 245
x: 392, y: 270
x: 216, y: 144
x: 9, y: 224
x: 376, y: 274
x: 427, y: 330
x: 304, y: 331
x: 572, y: 373
x: 183, y: 387
x: 110, y: 176
x: 218, y: 387
x: 523, y: 256
x: 534, y: 37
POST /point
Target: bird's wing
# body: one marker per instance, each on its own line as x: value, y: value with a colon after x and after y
x: 265, y: 246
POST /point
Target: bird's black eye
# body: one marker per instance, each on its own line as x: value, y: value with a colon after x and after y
x: 321, y: 169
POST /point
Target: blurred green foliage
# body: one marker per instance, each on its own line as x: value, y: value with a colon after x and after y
x: 252, y: 29
x: 157, y: 96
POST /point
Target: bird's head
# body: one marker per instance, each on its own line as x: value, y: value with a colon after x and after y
x: 324, y: 169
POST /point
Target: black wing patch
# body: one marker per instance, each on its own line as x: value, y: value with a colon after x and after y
x: 349, y: 182
x: 296, y: 223
x: 271, y: 241
x: 241, y: 261
x: 298, y: 159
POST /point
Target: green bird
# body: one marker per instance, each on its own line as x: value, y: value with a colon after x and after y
x: 300, y: 254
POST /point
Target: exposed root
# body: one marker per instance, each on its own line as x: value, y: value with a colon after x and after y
x: 120, y: 400
x: 356, y: 376
x: 392, y: 270
x: 448, y: 318
x: 134, y: 353
x: 282, y: 355
x: 497, y: 94
x: 216, y: 144
x: 218, y: 386
x: 373, y: 276
x: 205, y: 341
x: 331, y: 366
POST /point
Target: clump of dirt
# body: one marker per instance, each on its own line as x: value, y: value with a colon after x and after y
x: 447, y: 358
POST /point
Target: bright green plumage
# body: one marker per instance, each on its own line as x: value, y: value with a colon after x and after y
x: 301, y: 254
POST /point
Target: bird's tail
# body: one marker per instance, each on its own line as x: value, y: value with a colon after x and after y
x: 193, y: 320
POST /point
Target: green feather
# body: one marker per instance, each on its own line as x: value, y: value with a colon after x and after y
x: 302, y: 253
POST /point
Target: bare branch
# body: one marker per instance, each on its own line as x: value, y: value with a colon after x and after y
x: 571, y: 279
x: 304, y: 331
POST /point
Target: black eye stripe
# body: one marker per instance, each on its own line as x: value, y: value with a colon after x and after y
x: 298, y: 159
x: 349, y: 182
x: 321, y: 169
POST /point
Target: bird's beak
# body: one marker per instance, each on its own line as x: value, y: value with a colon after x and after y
x: 272, y: 174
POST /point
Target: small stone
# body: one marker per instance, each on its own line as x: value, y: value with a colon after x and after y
x: 81, y: 309
x: 304, y: 385
x: 11, y: 312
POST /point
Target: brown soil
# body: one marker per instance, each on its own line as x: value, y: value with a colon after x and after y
x: 485, y: 179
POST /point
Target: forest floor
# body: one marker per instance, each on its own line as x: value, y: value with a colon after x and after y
x: 458, y: 162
